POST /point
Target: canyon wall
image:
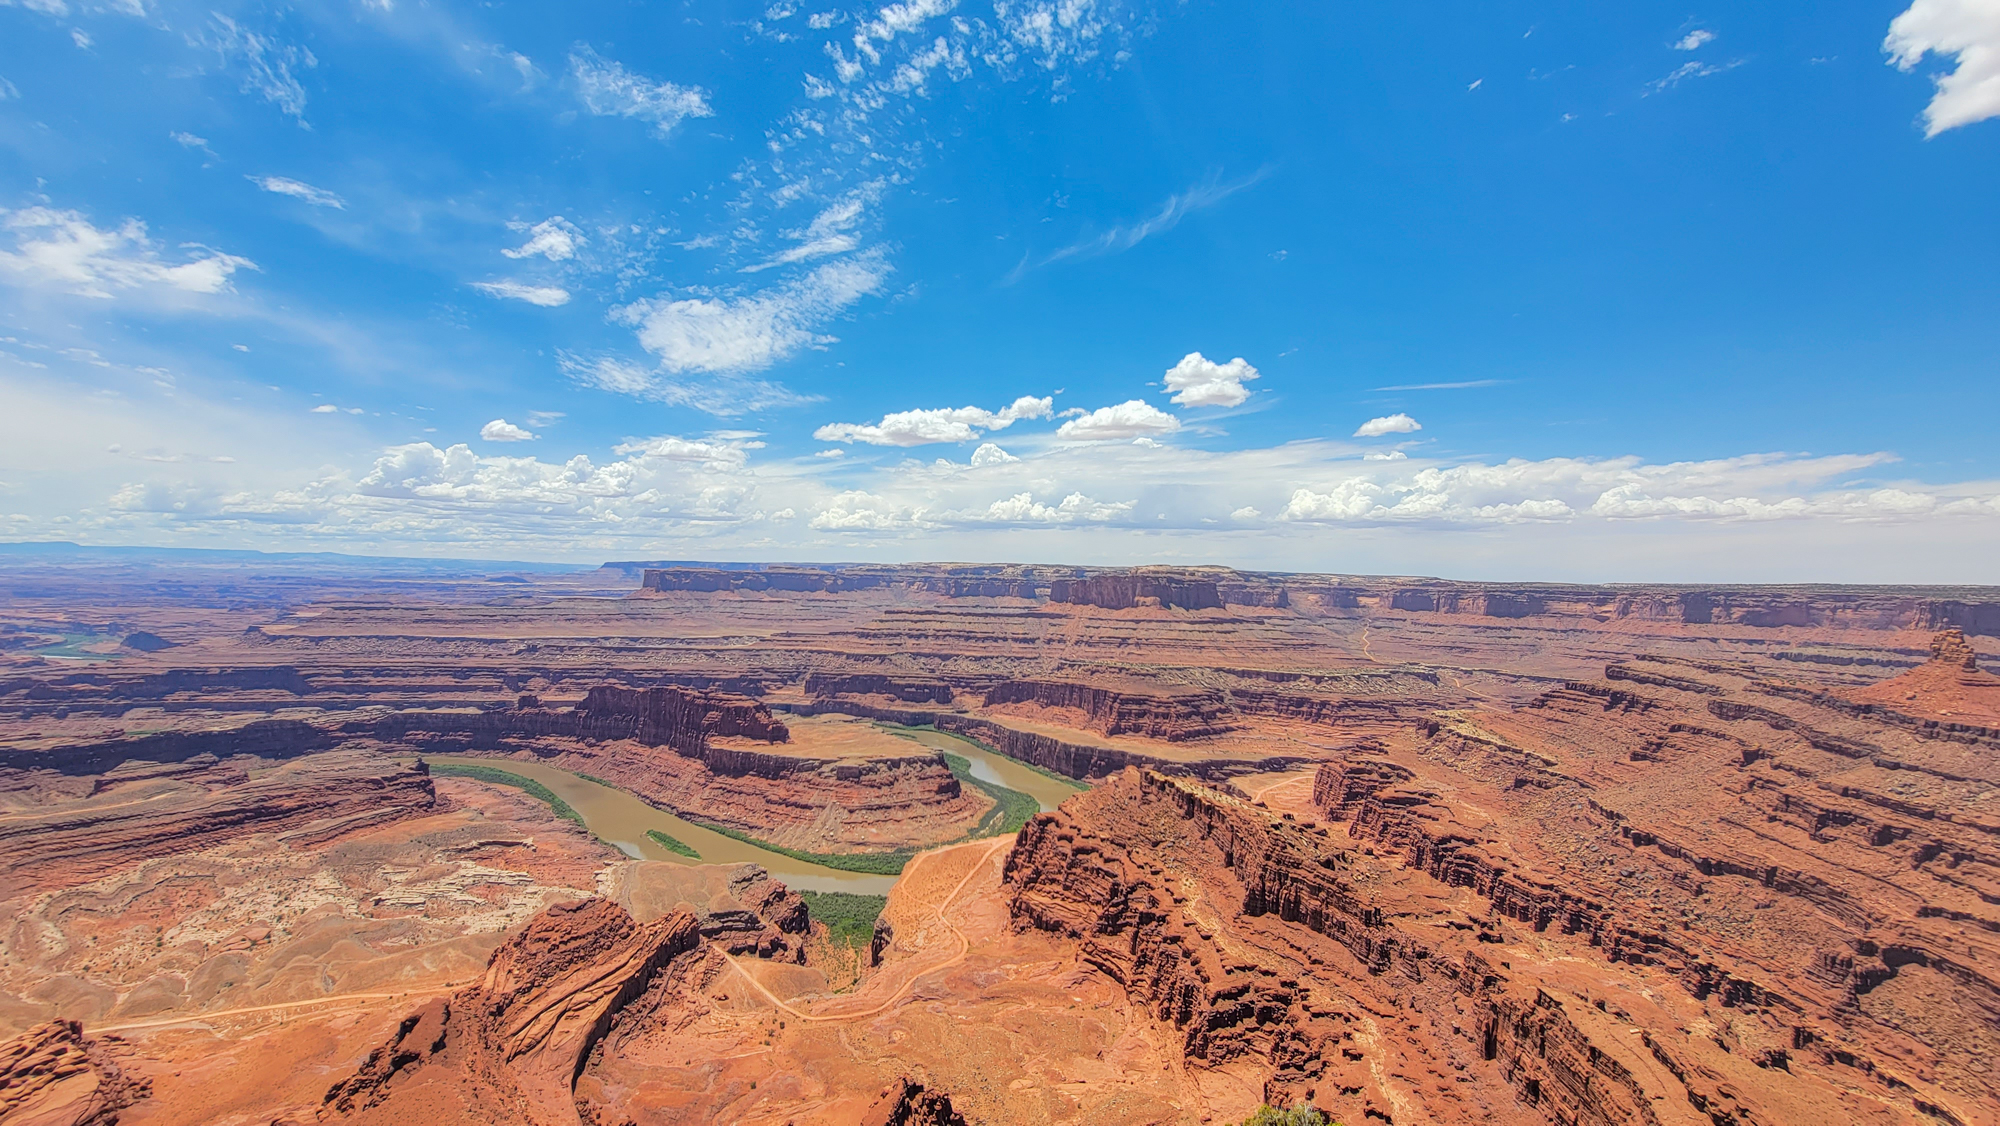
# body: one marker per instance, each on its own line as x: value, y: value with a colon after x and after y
x: 1185, y: 715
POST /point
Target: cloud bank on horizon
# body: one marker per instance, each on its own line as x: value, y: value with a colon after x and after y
x: 959, y: 277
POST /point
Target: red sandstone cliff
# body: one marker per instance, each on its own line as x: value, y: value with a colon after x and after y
x: 1187, y: 715
x: 509, y: 1049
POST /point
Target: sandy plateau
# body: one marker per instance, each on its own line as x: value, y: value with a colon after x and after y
x: 291, y: 842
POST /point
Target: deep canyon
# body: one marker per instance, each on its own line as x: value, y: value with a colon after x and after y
x: 1157, y: 845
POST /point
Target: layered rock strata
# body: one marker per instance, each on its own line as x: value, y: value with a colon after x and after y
x: 1372, y: 988
x: 1108, y: 711
x: 51, y: 1075
x: 510, y: 1048
x: 1115, y: 591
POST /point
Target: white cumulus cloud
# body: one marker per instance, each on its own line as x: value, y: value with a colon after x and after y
x: 988, y: 454
x: 945, y: 424
x: 547, y: 296
x: 62, y: 250
x: 1023, y: 508
x: 609, y: 90
x: 1131, y: 419
x: 1201, y: 382
x: 1693, y: 40
x: 299, y: 189
x: 1967, y: 29
x: 554, y: 238
x: 500, y: 430
x: 1398, y: 423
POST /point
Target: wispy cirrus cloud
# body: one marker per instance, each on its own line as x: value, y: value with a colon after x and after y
x: 1124, y: 237
x: 1686, y: 71
x: 726, y: 396
x: 267, y: 63
x: 609, y: 90
x: 299, y: 189
x: 547, y: 296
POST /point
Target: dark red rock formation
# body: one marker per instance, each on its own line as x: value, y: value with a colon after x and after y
x: 51, y: 1076
x: 907, y: 1103
x: 509, y: 1049
x: 916, y: 690
x: 1124, y: 590
x: 1340, y: 787
x: 675, y: 717
x: 684, y: 720
x: 1188, y: 715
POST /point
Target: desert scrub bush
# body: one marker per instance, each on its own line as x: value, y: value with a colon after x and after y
x: 1300, y: 1115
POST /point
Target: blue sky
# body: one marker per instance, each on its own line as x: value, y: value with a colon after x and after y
x: 1510, y: 291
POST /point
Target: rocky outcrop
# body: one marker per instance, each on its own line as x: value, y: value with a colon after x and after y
x: 51, y: 1076
x: 739, y: 908
x: 674, y: 717
x: 1266, y: 945
x: 1187, y: 715
x: 915, y: 690
x: 1127, y: 590
x: 684, y: 720
x: 907, y: 1103
x: 1949, y: 648
x: 510, y: 1048
x: 136, y: 814
x: 1342, y: 786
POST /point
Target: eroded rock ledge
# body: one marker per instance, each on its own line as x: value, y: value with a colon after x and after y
x: 1267, y: 944
x: 509, y: 1049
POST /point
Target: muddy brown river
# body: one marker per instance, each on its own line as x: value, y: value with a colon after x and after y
x: 621, y: 820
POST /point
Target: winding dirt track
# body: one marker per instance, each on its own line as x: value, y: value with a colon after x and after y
x: 217, y: 1014
x: 914, y: 971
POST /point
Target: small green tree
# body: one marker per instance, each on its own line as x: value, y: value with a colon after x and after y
x: 1300, y: 1115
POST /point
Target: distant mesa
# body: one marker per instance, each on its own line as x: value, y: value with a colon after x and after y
x: 1971, y: 610
x: 146, y: 642
x: 1132, y: 589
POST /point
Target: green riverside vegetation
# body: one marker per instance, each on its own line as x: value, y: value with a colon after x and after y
x: 1300, y: 1115
x: 501, y: 777
x: 850, y: 919
x: 677, y: 847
